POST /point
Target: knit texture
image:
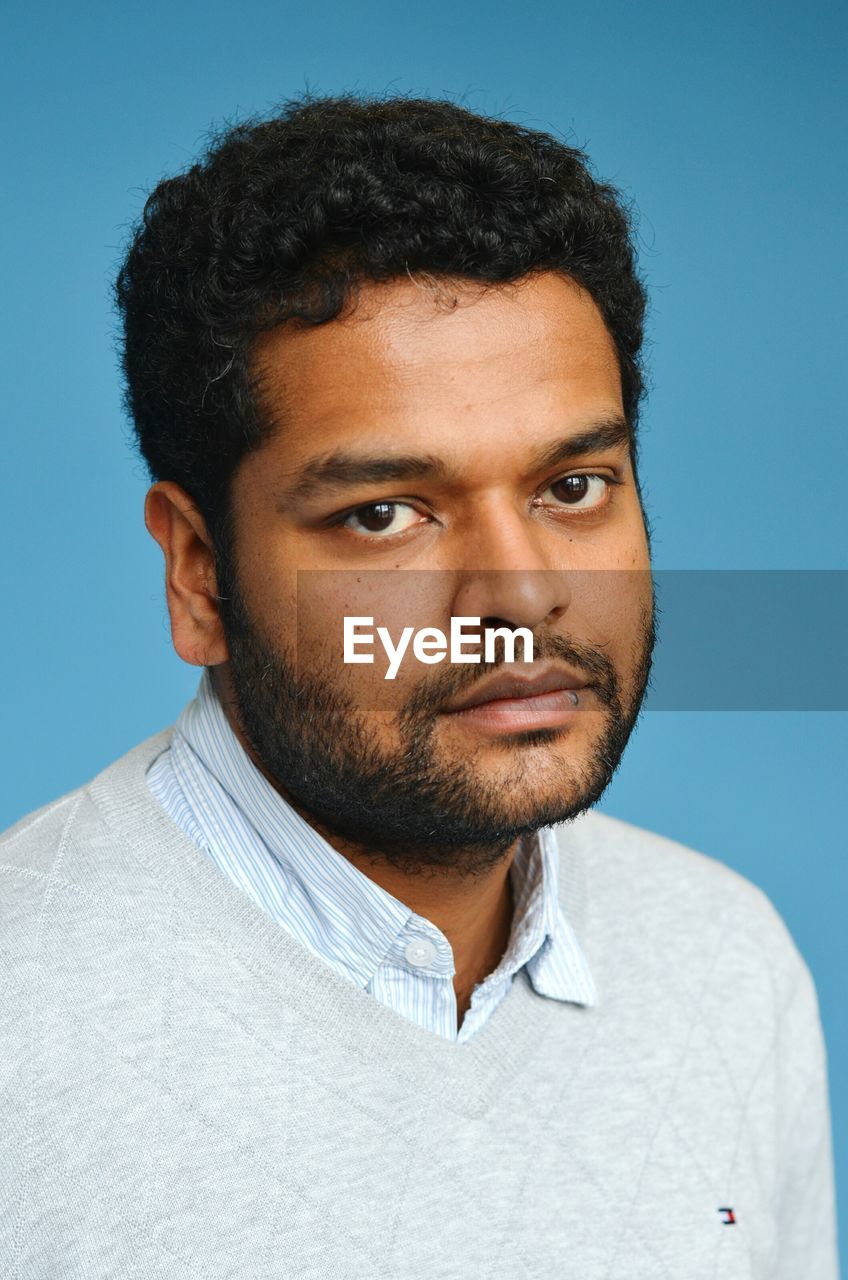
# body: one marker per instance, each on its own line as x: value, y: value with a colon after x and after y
x: 186, y: 1091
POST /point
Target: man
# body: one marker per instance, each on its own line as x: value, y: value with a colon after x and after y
x: 342, y: 975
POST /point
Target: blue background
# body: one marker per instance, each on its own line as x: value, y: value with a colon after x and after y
x: 726, y: 122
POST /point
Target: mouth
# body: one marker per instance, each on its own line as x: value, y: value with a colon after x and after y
x: 511, y: 703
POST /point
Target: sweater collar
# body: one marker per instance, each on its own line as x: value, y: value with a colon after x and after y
x: 162, y: 881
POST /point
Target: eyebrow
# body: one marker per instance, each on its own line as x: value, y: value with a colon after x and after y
x: 343, y: 470
x: 346, y: 469
x: 612, y: 433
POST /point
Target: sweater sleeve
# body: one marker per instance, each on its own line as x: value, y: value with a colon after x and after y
x: 805, y: 1208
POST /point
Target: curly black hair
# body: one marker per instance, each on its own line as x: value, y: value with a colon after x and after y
x: 284, y: 217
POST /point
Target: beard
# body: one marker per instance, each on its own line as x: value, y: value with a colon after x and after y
x: 412, y: 807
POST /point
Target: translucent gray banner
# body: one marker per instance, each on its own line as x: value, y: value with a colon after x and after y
x: 750, y: 640
x: 726, y: 640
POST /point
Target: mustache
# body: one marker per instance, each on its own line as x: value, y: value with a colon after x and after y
x: 433, y: 695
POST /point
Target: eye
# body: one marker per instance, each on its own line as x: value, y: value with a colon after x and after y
x: 379, y: 519
x: 581, y: 492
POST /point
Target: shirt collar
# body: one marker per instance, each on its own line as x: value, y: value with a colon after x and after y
x: 359, y: 923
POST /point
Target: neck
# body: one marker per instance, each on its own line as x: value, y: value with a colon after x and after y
x: 473, y: 912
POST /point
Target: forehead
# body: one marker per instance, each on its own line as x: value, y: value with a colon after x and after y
x: 417, y: 357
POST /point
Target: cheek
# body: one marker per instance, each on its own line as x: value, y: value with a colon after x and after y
x: 333, y: 606
x: 609, y: 608
x: 632, y: 551
x: 268, y: 583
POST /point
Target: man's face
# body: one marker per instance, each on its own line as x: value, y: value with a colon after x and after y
x: 437, y: 461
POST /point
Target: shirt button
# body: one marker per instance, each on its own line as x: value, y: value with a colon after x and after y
x: 420, y: 953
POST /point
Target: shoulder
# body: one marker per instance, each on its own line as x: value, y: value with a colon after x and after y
x: 29, y: 852
x: 32, y: 842
x: 33, y: 851
x: 645, y: 866
x: 689, y: 907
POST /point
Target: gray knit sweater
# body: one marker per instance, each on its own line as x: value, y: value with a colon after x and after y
x: 186, y: 1091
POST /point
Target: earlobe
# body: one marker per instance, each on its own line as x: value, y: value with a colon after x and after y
x: 175, y: 522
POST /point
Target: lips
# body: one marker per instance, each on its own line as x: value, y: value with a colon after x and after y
x: 510, y: 686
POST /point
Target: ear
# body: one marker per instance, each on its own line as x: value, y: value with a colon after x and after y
x: 173, y: 519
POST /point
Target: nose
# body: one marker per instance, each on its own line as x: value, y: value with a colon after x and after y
x: 504, y: 576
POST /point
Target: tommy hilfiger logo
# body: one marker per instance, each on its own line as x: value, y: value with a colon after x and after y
x: 729, y: 1217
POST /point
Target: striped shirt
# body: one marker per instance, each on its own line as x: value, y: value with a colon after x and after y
x: 210, y: 787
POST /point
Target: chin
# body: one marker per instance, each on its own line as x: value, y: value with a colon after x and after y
x: 523, y: 795
x: 529, y: 754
